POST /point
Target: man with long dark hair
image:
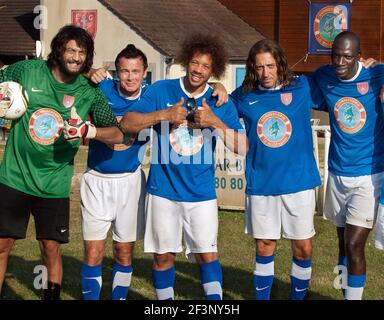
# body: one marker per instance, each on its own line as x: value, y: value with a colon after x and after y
x: 36, y: 172
x: 281, y: 170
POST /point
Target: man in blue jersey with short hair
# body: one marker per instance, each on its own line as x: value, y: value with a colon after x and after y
x: 181, y: 199
x: 281, y: 170
x: 112, y: 188
x: 356, y: 153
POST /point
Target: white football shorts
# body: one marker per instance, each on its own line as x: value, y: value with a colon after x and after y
x: 353, y: 200
x: 379, y: 232
x: 267, y: 216
x: 113, y: 199
x: 168, y: 221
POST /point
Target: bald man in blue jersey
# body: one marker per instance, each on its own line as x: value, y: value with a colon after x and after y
x: 356, y: 153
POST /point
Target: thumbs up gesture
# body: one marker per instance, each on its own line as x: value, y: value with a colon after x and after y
x: 75, y: 128
x: 204, y: 117
x: 98, y: 75
x: 177, y: 114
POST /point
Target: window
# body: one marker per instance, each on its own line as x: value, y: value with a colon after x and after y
x: 148, y: 78
x: 240, y: 74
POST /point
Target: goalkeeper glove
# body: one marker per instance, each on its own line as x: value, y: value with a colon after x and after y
x: 75, y: 127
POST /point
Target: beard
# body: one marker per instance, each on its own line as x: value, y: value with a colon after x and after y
x: 63, y: 69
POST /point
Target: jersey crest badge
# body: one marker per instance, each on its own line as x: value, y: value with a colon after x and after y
x: 186, y: 141
x: 350, y: 115
x: 68, y: 101
x: 274, y: 129
x: 362, y: 87
x: 286, y: 98
x: 45, y: 126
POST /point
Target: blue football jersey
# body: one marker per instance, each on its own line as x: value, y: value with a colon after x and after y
x: 116, y: 158
x: 182, y: 165
x: 356, y: 120
x: 280, y: 159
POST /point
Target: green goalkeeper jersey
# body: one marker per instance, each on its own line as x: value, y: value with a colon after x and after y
x: 37, y: 159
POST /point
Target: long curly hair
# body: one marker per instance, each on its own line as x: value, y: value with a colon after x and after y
x: 204, y: 44
x: 66, y: 34
x: 284, y: 74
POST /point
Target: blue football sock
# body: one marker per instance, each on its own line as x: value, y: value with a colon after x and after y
x: 212, y: 280
x: 263, y: 276
x: 163, y: 282
x: 300, y: 276
x: 91, y: 281
x: 356, y: 284
x: 121, y: 277
x: 343, y: 272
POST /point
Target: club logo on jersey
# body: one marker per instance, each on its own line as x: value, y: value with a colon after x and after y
x: 350, y: 115
x: 68, y: 101
x: 123, y: 146
x: 362, y: 87
x: 274, y: 129
x: 286, y: 98
x: 328, y: 23
x: 45, y: 126
x: 185, y: 140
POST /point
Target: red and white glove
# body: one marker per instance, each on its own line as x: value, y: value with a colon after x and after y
x: 75, y: 128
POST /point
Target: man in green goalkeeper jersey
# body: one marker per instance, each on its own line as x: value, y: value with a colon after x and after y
x: 36, y: 172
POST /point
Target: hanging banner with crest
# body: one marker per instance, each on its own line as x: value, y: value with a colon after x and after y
x: 86, y: 19
x: 326, y: 21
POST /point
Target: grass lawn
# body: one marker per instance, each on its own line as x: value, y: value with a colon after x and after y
x: 236, y: 255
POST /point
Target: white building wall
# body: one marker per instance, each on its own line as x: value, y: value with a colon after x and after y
x: 112, y: 34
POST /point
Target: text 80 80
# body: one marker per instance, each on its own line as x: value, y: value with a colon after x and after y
x: 230, y: 183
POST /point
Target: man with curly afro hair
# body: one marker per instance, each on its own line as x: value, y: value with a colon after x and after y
x: 181, y: 197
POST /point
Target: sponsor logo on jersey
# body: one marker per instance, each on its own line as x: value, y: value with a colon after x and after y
x: 45, y: 126
x: 68, y: 101
x: 286, y: 98
x: 362, y: 87
x: 350, y: 115
x: 186, y: 141
x: 253, y: 102
x: 274, y: 129
x: 328, y: 23
x: 123, y: 146
x: 261, y: 289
